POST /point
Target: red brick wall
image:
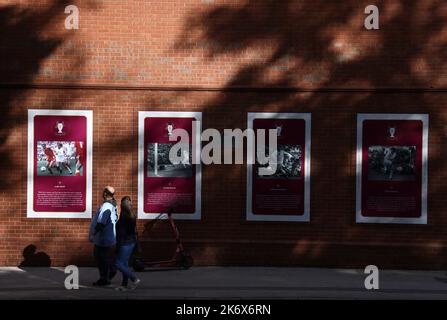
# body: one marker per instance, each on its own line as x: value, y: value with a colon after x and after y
x: 223, y: 58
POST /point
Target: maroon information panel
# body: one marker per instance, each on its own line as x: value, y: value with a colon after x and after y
x: 59, y: 163
x: 284, y: 194
x: 164, y: 183
x: 392, y: 168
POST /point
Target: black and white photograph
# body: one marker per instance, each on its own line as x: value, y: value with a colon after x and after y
x: 288, y: 164
x: 391, y: 163
x: 159, y: 164
x: 59, y: 158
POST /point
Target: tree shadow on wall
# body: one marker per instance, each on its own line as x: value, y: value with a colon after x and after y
x: 321, y: 44
x: 27, y: 40
x: 316, y: 56
x: 30, y: 34
x: 22, y: 50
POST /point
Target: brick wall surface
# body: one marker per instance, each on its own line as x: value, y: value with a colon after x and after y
x: 226, y: 58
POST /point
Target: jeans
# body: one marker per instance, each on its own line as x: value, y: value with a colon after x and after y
x: 106, y: 268
x: 122, y: 262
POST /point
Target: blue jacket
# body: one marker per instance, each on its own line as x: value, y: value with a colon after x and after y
x: 107, y: 216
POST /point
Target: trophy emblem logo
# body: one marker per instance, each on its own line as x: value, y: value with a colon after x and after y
x: 392, y: 132
x: 169, y: 128
x: 60, y: 127
x: 278, y: 130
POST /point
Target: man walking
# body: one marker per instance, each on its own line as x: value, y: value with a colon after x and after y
x: 103, y: 235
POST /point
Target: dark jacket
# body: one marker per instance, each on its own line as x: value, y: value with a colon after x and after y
x: 126, y: 231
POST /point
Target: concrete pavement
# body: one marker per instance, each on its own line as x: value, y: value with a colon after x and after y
x: 228, y: 283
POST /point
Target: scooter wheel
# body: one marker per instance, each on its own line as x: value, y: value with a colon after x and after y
x: 138, y: 264
x: 187, y: 260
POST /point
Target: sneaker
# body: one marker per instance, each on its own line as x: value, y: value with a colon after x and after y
x: 121, y: 289
x: 134, y: 284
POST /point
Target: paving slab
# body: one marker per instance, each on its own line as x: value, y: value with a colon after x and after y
x: 227, y: 283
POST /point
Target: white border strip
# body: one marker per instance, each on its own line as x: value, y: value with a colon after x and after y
x: 423, y: 218
x: 250, y: 154
x: 197, y: 143
x: 89, y: 141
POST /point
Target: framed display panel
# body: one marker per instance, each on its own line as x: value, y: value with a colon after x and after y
x: 59, y: 176
x: 392, y: 168
x: 284, y: 195
x: 161, y: 183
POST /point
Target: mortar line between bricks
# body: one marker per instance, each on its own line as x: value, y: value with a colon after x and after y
x: 72, y: 86
x: 437, y: 246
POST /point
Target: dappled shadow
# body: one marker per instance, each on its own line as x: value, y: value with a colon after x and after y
x: 22, y: 50
x: 27, y: 41
x: 316, y: 56
x: 273, y: 56
x: 443, y: 280
x: 317, y: 44
x: 30, y: 35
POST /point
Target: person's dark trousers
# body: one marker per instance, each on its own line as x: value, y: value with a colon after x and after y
x: 106, y: 269
x: 122, y: 262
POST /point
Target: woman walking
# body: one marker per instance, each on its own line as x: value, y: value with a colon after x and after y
x: 126, y: 240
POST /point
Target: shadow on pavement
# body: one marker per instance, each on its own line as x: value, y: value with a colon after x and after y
x: 444, y: 280
x: 31, y: 258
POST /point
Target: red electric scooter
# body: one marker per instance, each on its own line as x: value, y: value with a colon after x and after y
x: 181, y: 258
